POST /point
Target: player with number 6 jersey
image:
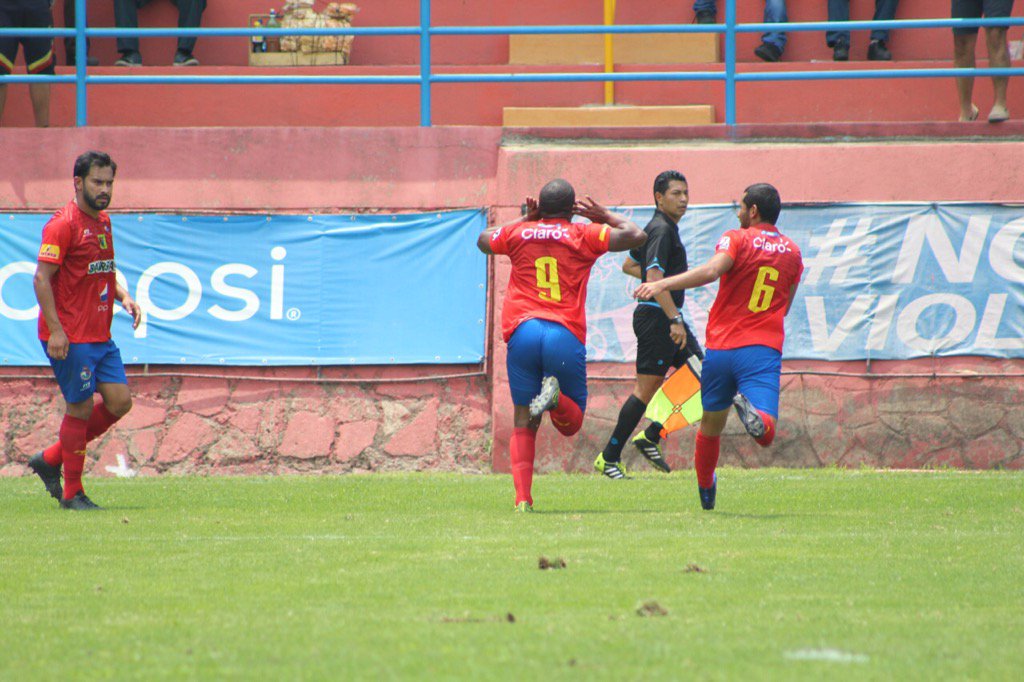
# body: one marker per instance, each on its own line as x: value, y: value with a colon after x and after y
x: 543, y: 318
x: 760, y: 270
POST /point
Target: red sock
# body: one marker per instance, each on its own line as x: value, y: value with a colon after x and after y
x: 705, y: 459
x: 567, y: 416
x: 769, y: 430
x: 100, y: 421
x: 51, y: 455
x: 523, y: 448
x: 72, y: 443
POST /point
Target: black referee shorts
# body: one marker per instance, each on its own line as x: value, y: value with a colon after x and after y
x: 655, y: 349
x: 38, y: 51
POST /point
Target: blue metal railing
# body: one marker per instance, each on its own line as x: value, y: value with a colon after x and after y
x: 426, y: 78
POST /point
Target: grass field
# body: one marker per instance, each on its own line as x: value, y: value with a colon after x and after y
x: 797, y: 575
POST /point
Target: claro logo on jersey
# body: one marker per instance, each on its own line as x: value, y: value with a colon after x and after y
x: 543, y: 231
x: 180, y: 278
x: 101, y: 267
x: 769, y: 246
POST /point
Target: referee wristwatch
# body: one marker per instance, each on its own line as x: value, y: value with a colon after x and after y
x: 678, y: 319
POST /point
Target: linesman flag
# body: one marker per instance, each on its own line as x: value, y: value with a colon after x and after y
x: 677, y: 402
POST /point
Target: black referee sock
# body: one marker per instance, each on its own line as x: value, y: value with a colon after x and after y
x: 653, y: 432
x: 629, y: 416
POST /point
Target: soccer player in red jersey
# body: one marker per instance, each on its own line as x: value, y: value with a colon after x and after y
x: 760, y: 269
x: 76, y: 287
x: 543, y: 319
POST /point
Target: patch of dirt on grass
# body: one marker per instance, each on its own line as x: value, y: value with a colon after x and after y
x: 544, y: 563
x: 694, y: 568
x: 651, y: 609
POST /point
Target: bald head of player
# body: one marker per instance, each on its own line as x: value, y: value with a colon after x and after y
x: 557, y: 199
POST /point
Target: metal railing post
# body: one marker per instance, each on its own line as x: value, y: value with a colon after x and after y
x: 81, y: 50
x: 425, y: 63
x: 730, y: 63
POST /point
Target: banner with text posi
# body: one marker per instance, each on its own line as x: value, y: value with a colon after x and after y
x: 275, y: 290
x: 881, y: 281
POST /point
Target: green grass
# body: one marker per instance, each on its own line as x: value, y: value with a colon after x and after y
x: 894, y: 575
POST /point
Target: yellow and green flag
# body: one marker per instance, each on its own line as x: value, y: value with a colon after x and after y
x: 677, y: 402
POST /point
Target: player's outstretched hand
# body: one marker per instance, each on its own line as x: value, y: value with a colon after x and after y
x: 532, y: 210
x: 133, y: 309
x: 649, y: 290
x: 592, y: 211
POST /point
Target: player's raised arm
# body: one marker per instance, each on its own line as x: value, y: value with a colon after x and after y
x: 625, y: 233
x: 718, y: 265
x: 532, y: 213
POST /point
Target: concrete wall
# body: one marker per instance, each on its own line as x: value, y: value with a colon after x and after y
x: 957, y: 412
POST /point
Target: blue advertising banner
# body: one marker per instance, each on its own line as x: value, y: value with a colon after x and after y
x: 275, y: 290
x: 881, y: 281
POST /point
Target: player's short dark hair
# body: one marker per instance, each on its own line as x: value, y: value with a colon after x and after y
x: 86, y: 162
x: 664, y: 178
x: 557, y: 198
x: 767, y: 200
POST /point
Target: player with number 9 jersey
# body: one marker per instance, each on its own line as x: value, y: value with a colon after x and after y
x: 543, y: 318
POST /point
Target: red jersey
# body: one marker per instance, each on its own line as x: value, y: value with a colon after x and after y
x: 84, y: 286
x: 551, y: 261
x: 754, y: 294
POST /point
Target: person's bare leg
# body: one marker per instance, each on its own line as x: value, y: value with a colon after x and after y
x: 963, y: 58
x: 40, y: 94
x: 998, y: 58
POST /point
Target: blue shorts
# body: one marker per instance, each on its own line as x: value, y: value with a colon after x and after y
x: 86, y: 365
x: 540, y: 348
x: 753, y: 371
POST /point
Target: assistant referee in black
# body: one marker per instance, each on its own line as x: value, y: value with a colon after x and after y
x: 663, y: 339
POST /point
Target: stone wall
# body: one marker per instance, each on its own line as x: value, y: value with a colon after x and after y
x: 284, y: 423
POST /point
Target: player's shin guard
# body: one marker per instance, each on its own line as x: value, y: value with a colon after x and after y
x: 769, y: 430
x: 705, y: 459
x: 567, y: 416
x: 523, y: 448
x: 72, y: 443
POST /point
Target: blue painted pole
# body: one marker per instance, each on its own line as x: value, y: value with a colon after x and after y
x: 730, y: 63
x: 425, y: 63
x: 81, y: 98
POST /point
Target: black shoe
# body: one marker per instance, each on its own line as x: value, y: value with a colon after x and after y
x: 80, y: 503
x: 129, y: 59
x: 707, y: 495
x: 705, y: 17
x: 878, y: 52
x: 750, y: 417
x: 768, y: 52
x: 184, y: 59
x: 49, y: 474
x: 841, y: 51
x: 651, y: 452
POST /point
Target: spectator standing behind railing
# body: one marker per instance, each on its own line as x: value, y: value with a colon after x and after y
x: 772, y: 43
x: 69, y: 43
x: 839, y: 41
x: 38, y: 51
x: 964, y: 42
x: 126, y: 15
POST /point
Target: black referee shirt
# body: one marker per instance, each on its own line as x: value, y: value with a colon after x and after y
x: 663, y: 250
